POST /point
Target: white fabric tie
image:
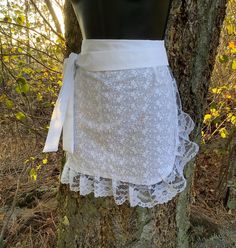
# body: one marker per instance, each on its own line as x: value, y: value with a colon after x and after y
x: 63, y: 114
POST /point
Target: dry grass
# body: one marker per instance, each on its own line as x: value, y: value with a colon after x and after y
x: 32, y: 219
x: 212, y: 223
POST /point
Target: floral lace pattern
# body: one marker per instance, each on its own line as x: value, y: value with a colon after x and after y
x: 131, y: 136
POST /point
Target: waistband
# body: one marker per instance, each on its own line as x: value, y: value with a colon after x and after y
x: 118, y: 54
x: 97, y: 55
x: 92, y: 45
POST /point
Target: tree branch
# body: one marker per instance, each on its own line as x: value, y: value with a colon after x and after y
x: 22, y: 26
x: 53, y: 30
x: 54, y: 16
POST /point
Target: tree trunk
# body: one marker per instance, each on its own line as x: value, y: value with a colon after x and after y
x: 226, y: 187
x: 85, y: 221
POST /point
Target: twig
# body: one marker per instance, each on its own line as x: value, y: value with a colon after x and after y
x: 9, y: 71
x: 22, y: 26
x: 30, y: 47
x: 25, y: 54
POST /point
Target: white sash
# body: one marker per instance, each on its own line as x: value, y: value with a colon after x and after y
x: 97, y: 55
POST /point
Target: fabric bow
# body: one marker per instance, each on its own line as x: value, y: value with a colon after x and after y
x: 63, y: 112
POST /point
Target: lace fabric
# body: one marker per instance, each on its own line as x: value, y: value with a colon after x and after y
x: 131, y: 136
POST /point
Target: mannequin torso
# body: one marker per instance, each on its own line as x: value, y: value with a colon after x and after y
x: 122, y: 19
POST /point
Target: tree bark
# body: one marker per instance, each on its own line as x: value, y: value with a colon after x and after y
x: 192, y: 39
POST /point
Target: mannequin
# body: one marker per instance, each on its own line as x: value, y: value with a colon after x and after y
x: 122, y: 19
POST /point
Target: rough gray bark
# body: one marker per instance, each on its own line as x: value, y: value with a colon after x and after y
x: 192, y: 39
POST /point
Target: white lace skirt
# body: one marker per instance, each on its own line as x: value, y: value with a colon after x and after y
x: 131, y: 137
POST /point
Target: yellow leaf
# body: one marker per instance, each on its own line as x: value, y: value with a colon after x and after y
x: 39, y: 97
x: 228, y: 96
x: 26, y: 161
x: 20, y: 19
x: 45, y: 161
x: 3, y: 98
x: 223, y: 132
x: 59, y: 83
x: 234, y: 65
x: 230, y: 28
x: 233, y: 120
x: 33, y: 174
x: 6, y: 59
x: 20, y: 116
x: 232, y: 44
x: 216, y: 90
x: 207, y: 117
x: 233, y: 50
x: 214, y: 113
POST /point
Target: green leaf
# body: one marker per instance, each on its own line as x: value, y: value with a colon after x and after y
x: 47, y: 104
x: 20, y: 116
x: 6, y: 59
x: 65, y: 221
x: 213, y: 105
x: 21, y: 80
x: 20, y: 19
x: 19, y: 49
x: 22, y: 86
x: 223, y: 58
x: 216, y: 120
x: 9, y: 103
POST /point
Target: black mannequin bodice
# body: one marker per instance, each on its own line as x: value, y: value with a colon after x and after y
x: 122, y: 19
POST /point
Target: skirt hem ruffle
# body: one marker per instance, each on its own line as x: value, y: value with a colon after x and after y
x: 141, y: 195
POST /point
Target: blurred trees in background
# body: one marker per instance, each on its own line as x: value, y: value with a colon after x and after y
x: 220, y: 118
x: 31, y: 45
